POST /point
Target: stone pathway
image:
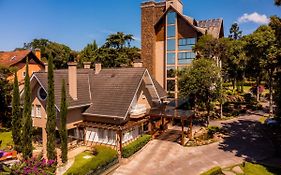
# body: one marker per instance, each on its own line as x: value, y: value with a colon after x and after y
x: 245, y: 142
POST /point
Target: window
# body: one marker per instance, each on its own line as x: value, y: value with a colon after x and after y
x: 171, y: 72
x: 32, y: 111
x: 171, y: 17
x: 38, y: 111
x: 171, y: 44
x: 186, y: 43
x: 42, y: 95
x: 23, y: 74
x: 185, y: 57
x: 171, y: 31
x: 171, y: 85
x: 171, y: 58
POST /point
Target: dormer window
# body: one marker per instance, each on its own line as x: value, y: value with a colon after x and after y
x: 42, y: 95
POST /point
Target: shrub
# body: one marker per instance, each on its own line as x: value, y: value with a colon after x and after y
x: 214, y: 171
x: 136, y: 145
x: 87, y: 163
x: 212, y: 130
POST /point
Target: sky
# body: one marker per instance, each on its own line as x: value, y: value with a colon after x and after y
x: 78, y: 22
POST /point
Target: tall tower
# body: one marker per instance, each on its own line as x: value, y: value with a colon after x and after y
x: 167, y: 39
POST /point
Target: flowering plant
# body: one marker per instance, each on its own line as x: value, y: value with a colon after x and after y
x: 32, y: 167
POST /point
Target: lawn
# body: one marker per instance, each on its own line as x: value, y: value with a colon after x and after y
x: 6, y: 138
x: 255, y: 169
x: 87, y: 162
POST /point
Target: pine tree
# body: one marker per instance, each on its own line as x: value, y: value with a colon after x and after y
x: 16, y: 115
x: 27, y: 120
x: 51, y: 113
x: 63, y: 130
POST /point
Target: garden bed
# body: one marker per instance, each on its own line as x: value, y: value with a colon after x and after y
x: 90, y: 163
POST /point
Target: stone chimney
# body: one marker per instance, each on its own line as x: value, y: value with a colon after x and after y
x: 137, y: 64
x: 38, y: 53
x: 46, y: 67
x: 72, y: 79
x: 87, y: 65
x: 177, y: 4
x: 97, y: 68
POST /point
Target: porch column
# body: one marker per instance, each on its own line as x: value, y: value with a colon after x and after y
x: 44, y: 142
x: 84, y: 135
x: 182, y: 131
x: 119, y: 144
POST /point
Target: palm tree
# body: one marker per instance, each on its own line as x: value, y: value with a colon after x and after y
x: 118, y: 40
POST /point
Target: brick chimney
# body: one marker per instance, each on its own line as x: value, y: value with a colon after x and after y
x: 72, y: 79
x: 87, y: 65
x: 97, y: 68
x: 38, y: 53
x: 46, y: 67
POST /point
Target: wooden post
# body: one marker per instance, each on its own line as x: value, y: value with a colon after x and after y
x: 190, y: 127
x: 119, y: 144
x: 182, y: 131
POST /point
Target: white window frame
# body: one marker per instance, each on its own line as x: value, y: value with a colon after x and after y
x: 38, y: 114
x: 32, y: 111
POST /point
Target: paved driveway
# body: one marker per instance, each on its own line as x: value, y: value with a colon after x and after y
x: 246, y: 141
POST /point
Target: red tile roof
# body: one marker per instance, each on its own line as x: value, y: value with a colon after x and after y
x: 10, y: 58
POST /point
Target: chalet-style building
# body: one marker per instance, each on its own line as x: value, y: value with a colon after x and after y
x: 106, y: 106
x: 18, y: 58
x: 167, y: 38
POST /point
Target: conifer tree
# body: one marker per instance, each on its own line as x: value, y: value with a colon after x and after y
x: 16, y: 115
x: 63, y: 130
x: 51, y: 113
x: 27, y: 120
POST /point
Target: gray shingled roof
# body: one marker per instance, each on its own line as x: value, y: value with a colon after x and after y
x: 107, y: 94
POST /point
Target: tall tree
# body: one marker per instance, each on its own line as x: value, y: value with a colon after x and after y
x: 235, y: 32
x: 59, y: 52
x: 16, y: 115
x: 63, y: 130
x: 262, y: 52
x: 27, y: 120
x: 51, y: 114
x: 202, y: 81
x: 88, y: 53
x: 118, y: 40
x: 5, y: 96
x: 278, y: 2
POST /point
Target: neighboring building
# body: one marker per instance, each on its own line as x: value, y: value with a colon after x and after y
x: 107, y: 106
x: 168, y: 37
x: 17, y: 59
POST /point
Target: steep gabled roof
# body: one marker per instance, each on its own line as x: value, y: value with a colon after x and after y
x: 186, y: 19
x: 9, y: 59
x: 109, y: 93
x: 213, y: 26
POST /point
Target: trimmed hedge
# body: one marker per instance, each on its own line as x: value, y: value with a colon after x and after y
x: 90, y: 165
x: 214, y: 171
x: 136, y: 145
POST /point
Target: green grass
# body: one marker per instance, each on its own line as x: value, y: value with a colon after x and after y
x: 6, y: 138
x: 214, y: 171
x: 255, y: 169
x: 83, y: 165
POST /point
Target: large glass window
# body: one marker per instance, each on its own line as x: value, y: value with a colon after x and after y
x: 171, y: 85
x: 186, y: 43
x: 171, y: 44
x: 171, y: 31
x: 171, y: 72
x: 185, y: 57
x: 171, y: 17
x: 171, y: 58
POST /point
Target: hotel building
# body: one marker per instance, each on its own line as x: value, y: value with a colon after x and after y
x: 168, y: 37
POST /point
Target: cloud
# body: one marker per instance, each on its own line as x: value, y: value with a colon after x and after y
x: 254, y: 17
